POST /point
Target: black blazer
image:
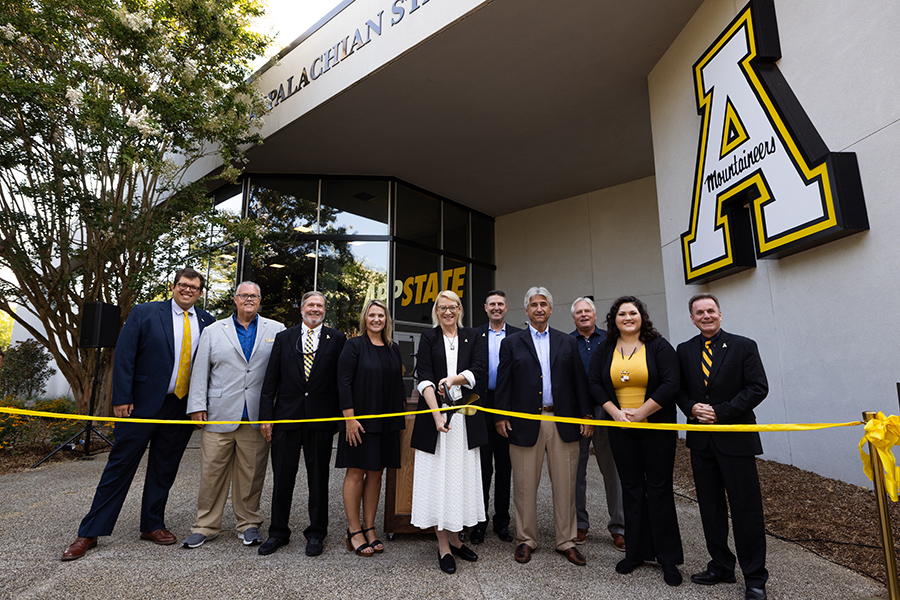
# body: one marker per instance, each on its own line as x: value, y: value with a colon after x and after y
x: 519, y: 386
x: 287, y: 395
x: 663, y: 382
x: 363, y: 387
x: 431, y: 365
x: 737, y: 384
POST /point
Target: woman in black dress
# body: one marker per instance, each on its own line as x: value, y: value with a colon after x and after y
x: 635, y: 376
x: 370, y: 382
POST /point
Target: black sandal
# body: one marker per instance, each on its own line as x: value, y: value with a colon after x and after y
x: 360, y: 549
x: 375, y: 542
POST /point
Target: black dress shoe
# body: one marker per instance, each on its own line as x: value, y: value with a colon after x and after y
x: 505, y: 535
x: 271, y: 545
x: 477, y: 535
x: 314, y: 546
x: 756, y: 593
x: 464, y: 552
x: 627, y: 565
x: 671, y: 575
x: 707, y: 577
x: 447, y: 563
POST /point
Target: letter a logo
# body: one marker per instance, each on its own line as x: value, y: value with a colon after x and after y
x: 766, y: 185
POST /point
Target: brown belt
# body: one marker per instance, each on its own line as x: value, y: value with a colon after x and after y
x: 547, y: 408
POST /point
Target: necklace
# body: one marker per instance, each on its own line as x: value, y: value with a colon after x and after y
x: 452, y: 341
x: 624, y: 374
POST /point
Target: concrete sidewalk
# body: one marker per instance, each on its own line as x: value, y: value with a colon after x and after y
x: 40, y: 510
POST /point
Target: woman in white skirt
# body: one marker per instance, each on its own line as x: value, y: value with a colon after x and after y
x: 447, y: 491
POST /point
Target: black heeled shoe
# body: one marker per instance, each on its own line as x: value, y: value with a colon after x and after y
x: 375, y: 543
x: 360, y: 550
x: 447, y: 563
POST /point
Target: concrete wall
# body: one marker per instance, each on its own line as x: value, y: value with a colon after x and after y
x: 825, y: 319
x: 603, y: 243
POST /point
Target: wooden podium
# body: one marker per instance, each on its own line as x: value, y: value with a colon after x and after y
x: 399, y: 486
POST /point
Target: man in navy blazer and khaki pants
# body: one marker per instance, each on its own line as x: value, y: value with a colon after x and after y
x: 150, y: 381
x: 541, y: 373
x: 724, y: 387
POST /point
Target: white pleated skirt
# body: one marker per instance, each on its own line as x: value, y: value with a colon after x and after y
x: 447, y: 484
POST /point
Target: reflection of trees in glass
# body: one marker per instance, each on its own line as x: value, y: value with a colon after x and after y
x: 285, y: 269
x: 220, y: 270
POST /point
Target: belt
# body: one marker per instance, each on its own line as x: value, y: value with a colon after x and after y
x: 548, y: 408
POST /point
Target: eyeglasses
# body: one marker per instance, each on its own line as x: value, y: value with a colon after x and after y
x: 447, y: 309
x: 186, y: 287
x: 247, y: 296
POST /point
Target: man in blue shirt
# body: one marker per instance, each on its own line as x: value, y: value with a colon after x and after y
x: 226, y: 381
x: 589, y: 336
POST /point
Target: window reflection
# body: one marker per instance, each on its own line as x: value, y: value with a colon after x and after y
x: 354, y: 207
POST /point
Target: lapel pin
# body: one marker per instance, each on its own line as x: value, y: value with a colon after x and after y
x: 724, y: 345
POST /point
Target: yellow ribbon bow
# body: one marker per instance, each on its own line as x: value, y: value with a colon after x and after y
x: 883, y: 433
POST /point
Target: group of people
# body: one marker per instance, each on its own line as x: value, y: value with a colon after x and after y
x: 173, y: 359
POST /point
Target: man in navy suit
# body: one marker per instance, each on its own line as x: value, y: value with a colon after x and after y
x: 150, y: 381
x: 496, y: 453
x: 541, y: 373
x: 722, y: 381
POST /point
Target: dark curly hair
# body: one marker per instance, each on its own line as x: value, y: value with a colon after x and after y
x: 648, y: 332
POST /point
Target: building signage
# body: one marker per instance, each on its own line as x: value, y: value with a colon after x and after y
x: 424, y: 288
x: 766, y: 185
x: 343, y: 48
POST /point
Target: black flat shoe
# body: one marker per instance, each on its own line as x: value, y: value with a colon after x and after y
x: 447, y: 563
x: 505, y: 535
x: 271, y: 545
x: 672, y: 575
x: 627, y: 565
x: 464, y: 552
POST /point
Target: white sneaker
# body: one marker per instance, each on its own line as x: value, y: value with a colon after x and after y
x: 250, y: 536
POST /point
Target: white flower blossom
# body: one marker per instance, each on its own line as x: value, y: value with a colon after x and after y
x: 74, y: 97
x: 12, y: 34
x: 136, y: 21
x: 141, y: 121
x: 190, y: 70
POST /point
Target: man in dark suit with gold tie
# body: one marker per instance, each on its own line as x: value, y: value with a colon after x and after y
x: 301, y: 383
x: 723, y: 380
x: 151, y: 376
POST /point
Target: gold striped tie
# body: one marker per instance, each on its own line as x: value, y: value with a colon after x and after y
x: 184, y: 365
x: 308, y: 354
x: 706, y: 361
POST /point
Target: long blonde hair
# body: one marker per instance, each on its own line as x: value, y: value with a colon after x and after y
x: 452, y: 297
x: 387, y: 334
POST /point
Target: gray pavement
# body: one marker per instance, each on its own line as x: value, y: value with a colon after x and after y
x: 40, y: 510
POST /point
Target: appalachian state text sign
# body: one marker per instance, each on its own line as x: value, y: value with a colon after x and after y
x: 758, y: 148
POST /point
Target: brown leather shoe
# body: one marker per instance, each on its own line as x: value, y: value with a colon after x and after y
x: 163, y: 537
x: 574, y: 555
x: 619, y: 541
x: 77, y: 548
x: 581, y: 537
x: 523, y: 553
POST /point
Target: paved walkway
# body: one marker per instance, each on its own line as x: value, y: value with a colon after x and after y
x: 40, y: 510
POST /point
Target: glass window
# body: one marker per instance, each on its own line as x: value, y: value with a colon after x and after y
x: 354, y: 207
x: 220, y: 269
x: 455, y: 277
x: 416, y: 285
x: 349, y: 274
x: 285, y: 206
x: 418, y: 217
x: 482, y: 238
x: 482, y: 283
x: 456, y: 229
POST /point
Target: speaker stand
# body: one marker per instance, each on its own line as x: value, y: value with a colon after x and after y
x: 89, y: 427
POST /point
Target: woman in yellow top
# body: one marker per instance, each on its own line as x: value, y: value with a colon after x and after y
x: 635, y: 376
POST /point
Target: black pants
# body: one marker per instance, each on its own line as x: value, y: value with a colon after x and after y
x: 715, y: 475
x: 496, y: 455
x: 286, y: 447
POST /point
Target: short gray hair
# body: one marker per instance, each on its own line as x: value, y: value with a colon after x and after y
x: 538, y: 291
x: 584, y: 299
x: 253, y: 283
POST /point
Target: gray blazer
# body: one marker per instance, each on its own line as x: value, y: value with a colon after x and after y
x: 222, y: 379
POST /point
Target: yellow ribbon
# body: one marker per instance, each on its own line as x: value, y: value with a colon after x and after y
x: 467, y: 409
x: 883, y: 433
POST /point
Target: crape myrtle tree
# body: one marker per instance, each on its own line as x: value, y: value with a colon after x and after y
x: 104, y: 107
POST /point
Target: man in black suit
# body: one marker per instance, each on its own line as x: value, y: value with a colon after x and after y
x: 151, y: 376
x: 496, y: 453
x: 301, y: 383
x: 723, y: 380
x: 541, y: 373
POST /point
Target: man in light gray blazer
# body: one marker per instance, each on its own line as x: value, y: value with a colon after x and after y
x: 226, y: 380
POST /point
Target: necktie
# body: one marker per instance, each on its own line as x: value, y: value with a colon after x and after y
x: 184, y: 365
x: 308, y: 354
x: 706, y: 361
